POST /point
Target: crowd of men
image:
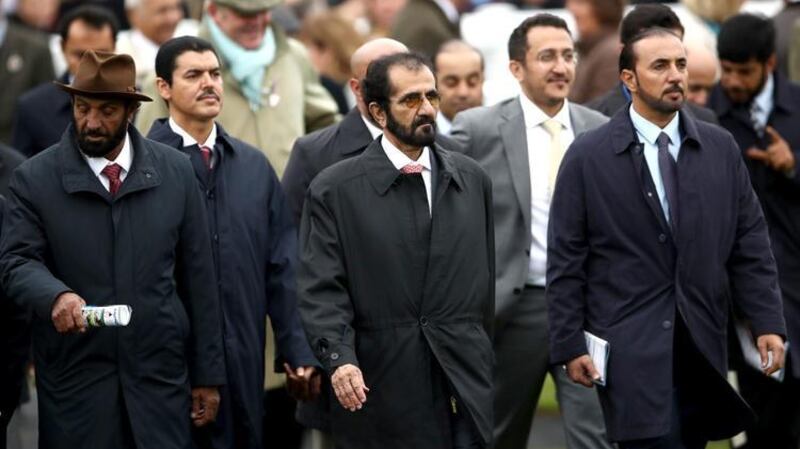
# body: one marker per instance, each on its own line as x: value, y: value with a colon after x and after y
x: 424, y: 261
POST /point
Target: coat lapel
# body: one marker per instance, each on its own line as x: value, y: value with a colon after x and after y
x: 515, y: 145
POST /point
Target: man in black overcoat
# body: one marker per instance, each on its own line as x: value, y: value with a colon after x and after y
x: 654, y: 229
x: 254, y: 242
x: 761, y: 108
x: 108, y: 217
x: 396, y: 277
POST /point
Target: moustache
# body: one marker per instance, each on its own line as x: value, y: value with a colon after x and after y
x: 208, y: 94
x: 93, y: 133
x: 556, y: 79
x: 674, y: 89
x: 423, y: 121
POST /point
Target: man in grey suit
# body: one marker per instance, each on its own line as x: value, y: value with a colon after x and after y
x: 520, y: 143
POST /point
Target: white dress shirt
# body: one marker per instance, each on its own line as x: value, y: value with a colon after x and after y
x: 648, y: 132
x: 124, y: 159
x: 400, y: 160
x: 188, y: 140
x: 538, y: 140
x: 443, y: 125
x: 374, y: 131
x: 763, y: 104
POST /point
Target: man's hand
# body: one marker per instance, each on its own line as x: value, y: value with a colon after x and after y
x: 348, y: 383
x: 778, y: 155
x: 770, y: 343
x: 205, y: 404
x: 67, y: 315
x: 304, y: 383
x: 581, y: 371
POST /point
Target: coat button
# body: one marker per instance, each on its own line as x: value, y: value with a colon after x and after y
x: 662, y: 238
x: 334, y: 356
x: 216, y: 237
x: 517, y: 291
x: 423, y: 321
x: 667, y: 325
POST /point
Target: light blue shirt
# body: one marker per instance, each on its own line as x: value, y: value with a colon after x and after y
x: 763, y: 103
x: 648, y: 132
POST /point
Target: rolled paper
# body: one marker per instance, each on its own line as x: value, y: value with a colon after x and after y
x: 107, y: 316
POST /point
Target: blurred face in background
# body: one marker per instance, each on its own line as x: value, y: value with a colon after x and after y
x: 156, y: 19
x: 702, y: 75
x: 548, y: 71
x: 81, y: 37
x: 742, y: 81
x: 460, y: 75
x: 585, y: 19
x: 39, y: 14
x: 381, y: 13
x: 246, y: 29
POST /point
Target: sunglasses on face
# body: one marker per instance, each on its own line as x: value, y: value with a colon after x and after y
x: 415, y: 100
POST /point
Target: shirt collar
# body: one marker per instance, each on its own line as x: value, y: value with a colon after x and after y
x: 443, y: 125
x: 188, y: 140
x: 650, y: 131
x: 534, y: 116
x: 765, y: 98
x: 374, y: 131
x: 124, y: 159
x: 400, y: 160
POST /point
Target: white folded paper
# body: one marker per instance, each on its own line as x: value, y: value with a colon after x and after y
x: 598, y: 350
x: 751, y: 355
x: 108, y: 316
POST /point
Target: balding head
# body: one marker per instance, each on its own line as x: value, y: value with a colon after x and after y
x: 361, y: 59
x: 703, y: 69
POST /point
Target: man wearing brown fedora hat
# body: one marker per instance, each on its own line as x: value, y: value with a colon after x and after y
x: 107, y: 217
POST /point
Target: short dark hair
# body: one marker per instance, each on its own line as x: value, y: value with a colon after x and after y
x: 377, y: 87
x: 746, y: 36
x: 627, y: 57
x: 95, y: 16
x: 518, y: 41
x: 648, y: 15
x: 169, y: 52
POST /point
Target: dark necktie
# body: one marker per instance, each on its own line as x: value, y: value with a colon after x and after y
x: 669, y: 177
x: 206, y: 153
x: 112, y: 172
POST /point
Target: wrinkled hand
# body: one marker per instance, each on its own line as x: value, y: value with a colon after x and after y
x: 348, y: 384
x: 770, y: 343
x: 303, y: 383
x: 205, y: 404
x: 778, y: 154
x: 66, y: 313
x: 581, y: 370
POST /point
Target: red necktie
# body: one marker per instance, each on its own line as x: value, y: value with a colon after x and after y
x: 411, y: 169
x: 206, y: 153
x: 112, y: 172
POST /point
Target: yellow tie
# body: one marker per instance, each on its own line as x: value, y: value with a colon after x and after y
x: 556, y: 150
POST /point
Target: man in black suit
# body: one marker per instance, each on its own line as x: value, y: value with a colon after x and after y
x: 44, y: 112
x: 639, y: 19
x: 761, y: 108
x: 654, y: 230
x: 396, y: 279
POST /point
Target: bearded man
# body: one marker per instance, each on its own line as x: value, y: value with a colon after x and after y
x: 106, y: 217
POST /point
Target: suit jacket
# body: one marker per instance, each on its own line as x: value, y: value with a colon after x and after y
x: 147, y: 247
x: 401, y: 294
x: 9, y: 161
x: 316, y: 151
x: 615, y: 269
x: 424, y: 27
x: 254, y: 244
x: 779, y: 194
x: 24, y: 64
x: 615, y: 100
x: 43, y: 113
x: 495, y: 137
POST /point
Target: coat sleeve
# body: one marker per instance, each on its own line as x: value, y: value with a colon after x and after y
x: 22, y: 135
x: 281, y: 285
x: 197, y: 288
x: 567, y: 252
x: 751, y: 266
x: 296, y: 179
x: 23, y: 250
x: 324, y: 300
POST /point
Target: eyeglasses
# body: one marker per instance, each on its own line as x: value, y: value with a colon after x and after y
x: 551, y: 56
x: 415, y: 100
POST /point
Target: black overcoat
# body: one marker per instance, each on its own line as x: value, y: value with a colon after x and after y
x: 377, y: 290
x: 149, y: 248
x: 615, y: 269
x: 779, y: 194
x: 255, y: 250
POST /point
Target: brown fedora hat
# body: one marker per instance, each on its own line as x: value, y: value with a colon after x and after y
x: 103, y: 74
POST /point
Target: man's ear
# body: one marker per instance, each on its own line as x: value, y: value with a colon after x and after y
x: 164, y: 89
x: 628, y: 78
x: 134, y: 109
x: 355, y: 87
x: 517, y: 69
x: 378, y: 114
x: 771, y: 63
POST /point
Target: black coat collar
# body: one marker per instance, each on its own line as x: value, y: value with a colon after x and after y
x: 623, y: 135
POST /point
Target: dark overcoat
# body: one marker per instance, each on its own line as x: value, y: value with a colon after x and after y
x: 402, y: 295
x: 147, y: 247
x: 43, y: 113
x: 779, y: 194
x: 255, y: 251
x: 615, y: 269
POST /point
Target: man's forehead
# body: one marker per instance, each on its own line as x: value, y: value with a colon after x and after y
x: 205, y: 60
x: 549, y: 38
x: 461, y: 61
x: 659, y: 47
x: 405, y: 80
